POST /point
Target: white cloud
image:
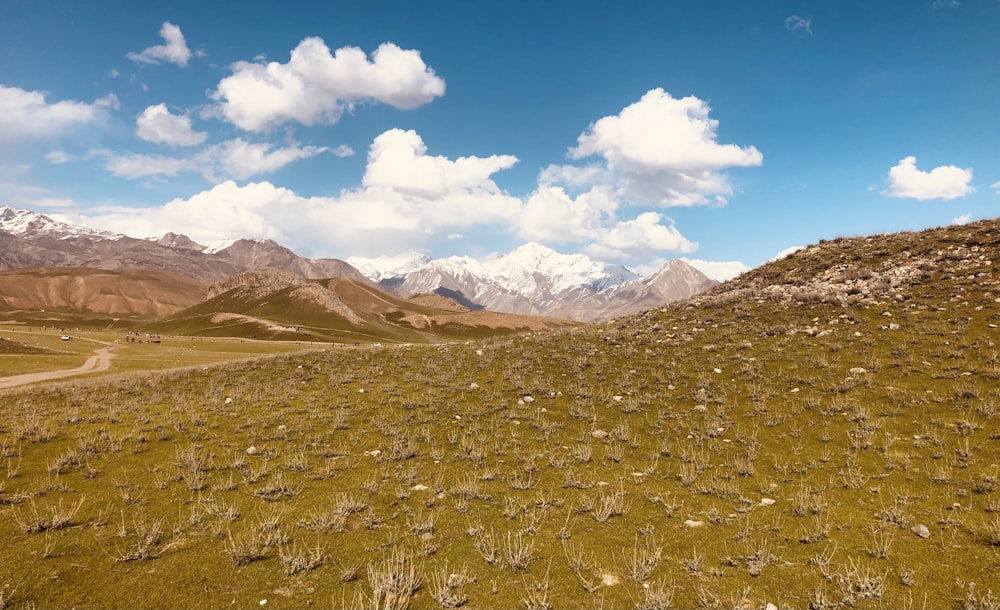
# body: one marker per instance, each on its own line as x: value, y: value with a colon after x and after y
x: 398, y: 159
x: 996, y: 187
x: 236, y: 158
x: 964, y: 219
x: 786, y: 252
x: 57, y: 157
x: 795, y: 23
x: 343, y: 151
x: 157, y: 125
x: 378, y: 217
x: 718, y: 270
x: 659, y: 151
x: 317, y: 87
x: 639, y: 237
x: 943, y: 182
x: 175, y: 50
x: 26, y: 114
x: 551, y: 215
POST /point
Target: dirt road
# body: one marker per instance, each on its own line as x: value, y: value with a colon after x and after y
x: 100, y: 361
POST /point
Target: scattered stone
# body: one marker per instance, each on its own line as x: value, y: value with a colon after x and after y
x: 282, y: 428
x: 770, y: 606
x: 479, y: 352
x: 794, y: 391
x: 858, y: 371
x: 921, y: 530
x: 473, y: 386
x: 529, y: 399
x: 253, y: 450
x: 609, y: 580
x: 767, y: 501
x: 716, y: 371
x: 693, y: 523
x: 617, y: 398
x: 427, y: 536
x: 419, y: 487
x: 599, y: 434
x: 373, y: 453
x: 229, y: 400
x: 701, y: 408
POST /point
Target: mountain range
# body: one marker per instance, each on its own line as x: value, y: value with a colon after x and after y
x: 532, y: 279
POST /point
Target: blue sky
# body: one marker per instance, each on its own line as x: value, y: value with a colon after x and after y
x: 635, y: 132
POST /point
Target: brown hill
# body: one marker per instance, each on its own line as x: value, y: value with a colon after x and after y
x: 127, y: 293
x: 275, y: 303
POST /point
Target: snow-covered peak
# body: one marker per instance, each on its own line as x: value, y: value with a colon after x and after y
x: 527, y: 266
x: 29, y: 224
x: 218, y: 246
x: 388, y: 267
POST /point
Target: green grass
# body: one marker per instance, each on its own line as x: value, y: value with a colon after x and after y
x: 521, y: 496
x: 722, y: 454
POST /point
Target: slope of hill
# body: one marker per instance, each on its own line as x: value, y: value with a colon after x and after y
x: 124, y: 293
x: 776, y: 441
x: 275, y: 303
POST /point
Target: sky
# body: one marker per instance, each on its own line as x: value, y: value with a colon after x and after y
x: 722, y: 132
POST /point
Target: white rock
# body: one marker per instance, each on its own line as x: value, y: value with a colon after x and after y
x: 921, y: 530
x: 282, y: 428
x: 609, y: 580
x: 599, y: 433
x: 473, y: 386
x: 479, y: 352
x: 529, y: 399
x: 229, y: 400
x: 767, y: 501
x: 858, y: 371
x: 701, y: 408
x: 693, y: 523
x: 617, y: 398
x: 419, y: 487
x: 716, y: 371
x: 252, y: 450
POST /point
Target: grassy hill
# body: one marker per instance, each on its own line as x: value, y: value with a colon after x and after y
x: 821, y: 433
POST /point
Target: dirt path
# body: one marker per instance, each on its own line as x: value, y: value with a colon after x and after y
x: 100, y: 361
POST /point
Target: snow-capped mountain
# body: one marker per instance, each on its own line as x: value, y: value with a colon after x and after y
x: 531, y: 279
x: 24, y: 223
x: 30, y: 239
x: 388, y: 267
x: 535, y: 279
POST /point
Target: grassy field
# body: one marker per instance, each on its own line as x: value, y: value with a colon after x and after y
x: 821, y: 434
x: 705, y: 456
x: 31, y: 350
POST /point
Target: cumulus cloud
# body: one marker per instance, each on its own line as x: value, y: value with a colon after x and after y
x: 786, y: 252
x: 996, y: 187
x: 316, y: 86
x: 964, y: 219
x: 658, y: 151
x: 26, y: 114
x: 551, y: 215
x: 175, y: 49
x: 639, y: 237
x: 384, y: 214
x: 794, y: 23
x: 236, y: 158
x: 718, y: 270
x: 943, y: 182
x: 398, y: 159
x: 156, y: 124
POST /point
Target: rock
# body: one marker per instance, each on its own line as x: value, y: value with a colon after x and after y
x: 770, y: 606
x: 921, y: 530
x: 373, y: 453
x: 767, y: 501
x: 528, y: 399
x: 609, y: 580
x: 701, y: 408
x: 858, y: 371
x: 473, y: 386
x: 599, y: 433
x: 419, y: 487
x: 693, y: 523
x: 282, y: 428
x: 229, y: 400
x: 617, y: 398
x: 252, y: 450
